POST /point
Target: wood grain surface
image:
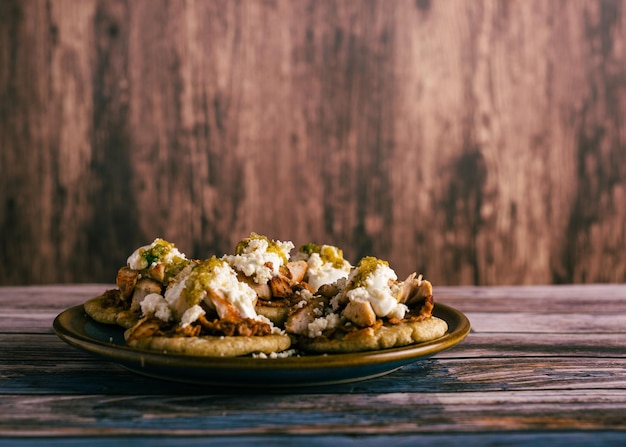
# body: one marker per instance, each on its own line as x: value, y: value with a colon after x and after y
x: 521, y: 384
x: 478, y: 142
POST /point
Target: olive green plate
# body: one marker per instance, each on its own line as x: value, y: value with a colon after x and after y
x: 77, y: 329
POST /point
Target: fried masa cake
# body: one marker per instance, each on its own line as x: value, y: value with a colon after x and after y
x: 169, y: 303
x: 261, y: 301
x: 149, y: 269
x: 369, y: 310
x: 206, y: 311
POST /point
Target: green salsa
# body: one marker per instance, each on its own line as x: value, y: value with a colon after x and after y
x: 272, y: 246
x: 366, y: 267
x: 199, y: 280
x: 327, y: 253
x: 157, y: 252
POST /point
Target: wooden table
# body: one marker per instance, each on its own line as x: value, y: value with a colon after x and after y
x: 543, y: 364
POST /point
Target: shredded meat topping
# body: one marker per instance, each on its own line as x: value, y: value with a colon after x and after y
x: 151, y: 327
x: 113, y: 298
x: 234, y: 326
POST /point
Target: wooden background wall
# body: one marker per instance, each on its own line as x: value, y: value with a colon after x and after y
x: 475, y: 141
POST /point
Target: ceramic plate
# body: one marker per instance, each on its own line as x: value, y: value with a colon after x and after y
x: 76, y: 328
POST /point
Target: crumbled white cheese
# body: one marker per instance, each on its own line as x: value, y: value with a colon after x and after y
x: 258, y: 263
x: 320, y: 272
x: 317, y: 326
x: 224, y: 281
x: 191, y: 315
x: 155, y: 305
x: 276, y: 355
x: 379, y: 294
x: 398, y: 312
x: 137, y: 261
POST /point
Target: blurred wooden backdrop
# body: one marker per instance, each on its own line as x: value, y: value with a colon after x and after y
x: 475, y: 141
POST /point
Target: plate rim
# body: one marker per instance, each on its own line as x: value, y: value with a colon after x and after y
x: 75, y: 335
x: 298, y: 371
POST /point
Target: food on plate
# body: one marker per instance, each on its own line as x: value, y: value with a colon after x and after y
x: 325, y: 264
x: 110, y: 308
x: 149, y: 269
x: 206, y: 310
x: 265, y: 265
x: 368, y: 310
x: 261, y: 301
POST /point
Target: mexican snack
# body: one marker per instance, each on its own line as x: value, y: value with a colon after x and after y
x: 261, y: 300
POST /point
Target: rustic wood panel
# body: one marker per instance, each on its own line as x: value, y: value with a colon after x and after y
x: 559, y: 385
x: 215, y: 415
x: 557, y: 439
x: 515, y: 364
x: 477, y: 142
